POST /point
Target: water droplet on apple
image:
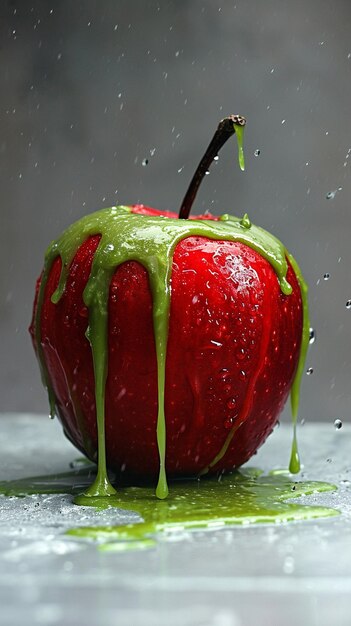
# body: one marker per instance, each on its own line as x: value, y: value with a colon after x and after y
x: 242, y: 375
x: 338, y: 424
x: 228, y: 423
x: 122, y: 393
x: 231, y: 404
x: 312, y: 338
x: 240, y: 354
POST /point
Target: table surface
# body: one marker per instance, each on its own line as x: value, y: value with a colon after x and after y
x: 266, y: 575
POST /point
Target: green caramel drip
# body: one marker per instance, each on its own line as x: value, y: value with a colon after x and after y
x: 239, y: 498
x: 151, y: 241
x: 294, y: 465
x: 239, y: 131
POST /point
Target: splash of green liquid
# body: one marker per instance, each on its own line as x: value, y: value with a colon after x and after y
x: 239, y: 498
x: 151, y: 241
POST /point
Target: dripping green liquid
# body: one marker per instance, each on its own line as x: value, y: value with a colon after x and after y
x: 150, y: 241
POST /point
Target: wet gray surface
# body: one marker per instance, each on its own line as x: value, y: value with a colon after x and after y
x: 297, y: 573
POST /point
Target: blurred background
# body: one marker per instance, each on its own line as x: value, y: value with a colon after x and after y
x: 114, y: 102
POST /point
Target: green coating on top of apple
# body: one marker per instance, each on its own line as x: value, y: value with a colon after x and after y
x: 151, y: 240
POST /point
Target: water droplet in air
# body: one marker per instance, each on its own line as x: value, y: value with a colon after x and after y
x: 152, y: 151
x: 257, y: 152
x: 207, y: 172
x: 312, y: 338
x: 338, y: 424
x: 331, y: 194
x: 216, y: 158
x: 309, y: 371
x: 144, y: 162
x: 326, y: 276
x: 348, y: 304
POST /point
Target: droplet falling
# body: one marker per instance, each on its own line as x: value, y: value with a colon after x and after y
x: 309, y: 371
x: 338, y: 424
x: 257, y: 152
x: 312, y: 338
x: 348, y: 304
x: 144, y: 162
x: 331, y: 194
x: 326, y: 276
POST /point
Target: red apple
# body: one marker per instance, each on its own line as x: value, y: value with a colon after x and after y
x: 233, y: 348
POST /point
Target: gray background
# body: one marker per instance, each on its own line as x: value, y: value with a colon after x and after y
x: 90, y: 89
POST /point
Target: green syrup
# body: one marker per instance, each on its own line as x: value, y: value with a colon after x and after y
x: 151, y: 241
x: 240, y: 498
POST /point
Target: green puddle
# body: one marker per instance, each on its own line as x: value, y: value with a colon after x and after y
x: 239, y: 498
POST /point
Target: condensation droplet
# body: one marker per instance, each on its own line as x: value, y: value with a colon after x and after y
x: 338, y: 424
x: 231, y: 404
x: 228, y: 423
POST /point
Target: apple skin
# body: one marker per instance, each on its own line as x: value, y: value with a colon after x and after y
x: 232, y: 352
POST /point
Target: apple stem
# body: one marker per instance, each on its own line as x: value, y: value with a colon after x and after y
x: 226, y: 128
